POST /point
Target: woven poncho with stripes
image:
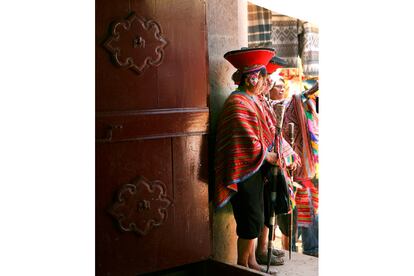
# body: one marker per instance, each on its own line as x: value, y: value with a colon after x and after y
x: 243, y: 139
x: 302, y: 113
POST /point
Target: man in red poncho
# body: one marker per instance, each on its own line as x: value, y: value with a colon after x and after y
x: 244, y: 142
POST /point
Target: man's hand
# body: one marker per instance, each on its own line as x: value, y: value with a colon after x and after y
x: 295, y: 164
x: 292, y: 167
x: 271, y: 157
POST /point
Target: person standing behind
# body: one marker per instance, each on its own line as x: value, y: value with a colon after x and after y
x: 301, y: 110
x: 261, y: 251
x: 244, y: 140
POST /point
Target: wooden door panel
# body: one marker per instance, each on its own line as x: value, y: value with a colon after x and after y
x: 151, y: 152
x: 185, y: 54
x: 184, y: 237
x: 118, y: 164
x: 119, y: 88
x: 145, y: 124
x: 191, y: 198
x: 172, y: 84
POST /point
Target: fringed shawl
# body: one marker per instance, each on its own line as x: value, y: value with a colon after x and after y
x: 243, y: 139
x: 295, y: 113
x: 301, y: 112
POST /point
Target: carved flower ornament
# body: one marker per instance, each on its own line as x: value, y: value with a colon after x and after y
x: 141, y: 206
x: 136, y: 43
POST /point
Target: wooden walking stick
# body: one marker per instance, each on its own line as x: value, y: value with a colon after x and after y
x: 279, y: 112
x: 311, y: 90
x: 292, y: 141
x: 272, y: 218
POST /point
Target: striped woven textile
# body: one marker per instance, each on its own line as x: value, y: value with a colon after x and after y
x: 301, y: 112
x: 309, y: 49
x: 307, y: 203
x: 243, y: 139
x: 291, y: 37
x: 259, y: 26
x: 268, y: 111
x: 285, y: 37
x: 312, y: 118
x: 287, y: 155
x: 285, y: 151
x: 270, y: 29
x: 295, y: 113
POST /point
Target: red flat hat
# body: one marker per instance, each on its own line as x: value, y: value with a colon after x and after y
x: 249, y: 58
x: 274, y: 64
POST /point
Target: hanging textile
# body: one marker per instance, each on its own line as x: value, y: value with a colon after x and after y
x: 309, y: 49
x: 259, y: 26
x: 285, y: 37
x: 290, y: 37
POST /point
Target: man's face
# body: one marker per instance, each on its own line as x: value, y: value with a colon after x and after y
x: 278, y: 91
x: 259, y: 87
x: 267, y: 83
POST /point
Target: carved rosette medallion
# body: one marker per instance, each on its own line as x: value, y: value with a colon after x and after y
x: 136, y: 43
x: 141, y: 206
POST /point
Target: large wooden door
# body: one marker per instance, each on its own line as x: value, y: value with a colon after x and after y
x: 151, y: 126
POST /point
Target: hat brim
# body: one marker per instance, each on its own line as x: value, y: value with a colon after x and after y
x: 249, y: 57
x: 271, y: 68
x: 274, y: 64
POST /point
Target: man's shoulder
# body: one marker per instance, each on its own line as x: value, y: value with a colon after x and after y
x: 239, y: 98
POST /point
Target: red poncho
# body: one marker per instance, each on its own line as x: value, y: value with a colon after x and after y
x: 244, y: 136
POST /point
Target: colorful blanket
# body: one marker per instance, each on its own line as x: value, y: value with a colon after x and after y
x: 259, y: 26
x: 270, y: 29
x: 295, y: 113
x: 285, y: 37
x: 301, y: 111
x: 307, y: 203
x: 289, y: 36
x: 243, y: 139
x: 309, y: 49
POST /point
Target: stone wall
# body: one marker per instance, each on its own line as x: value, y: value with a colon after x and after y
x: 227, y: 30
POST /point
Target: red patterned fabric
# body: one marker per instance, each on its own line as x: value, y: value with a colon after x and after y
x: 268, y: 111
x: 285, y: 152
x: 307, y: 198
x: 302, y: 143
x: 244, y: 135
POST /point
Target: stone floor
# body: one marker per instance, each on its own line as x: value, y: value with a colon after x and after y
x: 278, y: 241
x: 299, y: 265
